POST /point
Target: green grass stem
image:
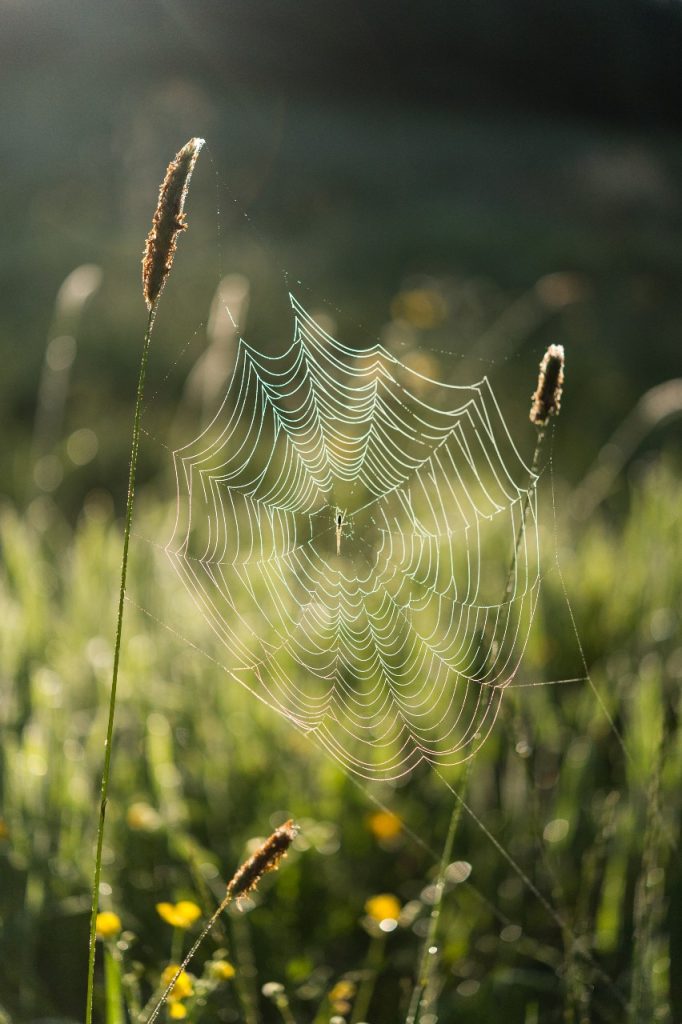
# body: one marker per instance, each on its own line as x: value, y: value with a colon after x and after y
x: 159, y: 1002
x: 421, y: 997
x: 371, y: 973
x: 420, y: 993
x: 113, y: 989
x: 106, y: 772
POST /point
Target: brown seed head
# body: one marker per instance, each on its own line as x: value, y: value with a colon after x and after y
x: 266, y: 858
x: 168, y: 222
x: 547, y: 397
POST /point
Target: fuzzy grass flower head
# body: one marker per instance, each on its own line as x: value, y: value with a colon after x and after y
x: 267, y: 857
x: 546, y: 400
x: 180, y: 915
x: 169, y: 220
x: 108, y: 925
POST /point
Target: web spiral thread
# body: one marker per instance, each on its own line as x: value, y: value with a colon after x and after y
x: 345, y: 525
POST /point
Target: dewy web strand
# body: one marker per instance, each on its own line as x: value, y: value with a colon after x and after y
x: 340, y: 524
x: 387, y: 645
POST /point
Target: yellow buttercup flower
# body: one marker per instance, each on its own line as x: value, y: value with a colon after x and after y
x: 384, y: 907
x: 180, y: 915
x: 108, y: 925
x: 385, y: 825
x: 182, y: 988
x: 343, y: 989
x: 222, y: 970
x: 177, y: 1011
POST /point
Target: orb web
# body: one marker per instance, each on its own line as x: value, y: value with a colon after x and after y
x: 346, y: 525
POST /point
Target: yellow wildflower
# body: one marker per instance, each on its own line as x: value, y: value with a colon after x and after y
x: 341, y: 996
x: 180, y: 915
x: 385, y: 825
x: 343, y: 989
x: 222, y: 970
x: 108, y: 925
x: 383, y: 907
x: 177, y: 1011
x: 182, y: 988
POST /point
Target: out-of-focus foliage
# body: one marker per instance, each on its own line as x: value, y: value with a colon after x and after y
x: 200, y: 768
x: 468, y: 182
x: 355, y: 151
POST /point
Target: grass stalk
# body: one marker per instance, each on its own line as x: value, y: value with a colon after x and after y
x: 158, y: 1001
x: 371, y: 972
x: 113, y: 989
x: 420, y: 993
x: 106, y: 772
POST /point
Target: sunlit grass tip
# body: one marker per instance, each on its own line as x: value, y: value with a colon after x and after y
x: 266, y: 858
x: 547, y: 397
x: 168, y: 221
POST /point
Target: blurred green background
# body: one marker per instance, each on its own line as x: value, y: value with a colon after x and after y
x: 468, y: 182
x: 353, y: 148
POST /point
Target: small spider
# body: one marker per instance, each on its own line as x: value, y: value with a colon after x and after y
x: 340, y: 516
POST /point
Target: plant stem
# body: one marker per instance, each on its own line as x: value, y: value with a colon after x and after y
x: 117, y: 652
x: 420, y: 993
x: 176, y: 945
x: 524, y: 513
x: 428, y: 958
x: 371, y: 971
x: 113, y: 992
x: 185, y: 963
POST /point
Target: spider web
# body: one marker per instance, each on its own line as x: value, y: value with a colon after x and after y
x: 345, y: 525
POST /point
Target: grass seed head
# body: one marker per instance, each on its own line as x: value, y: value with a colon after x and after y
x: 168, y: 221
x: 547, y: 396
x: 266, y: 858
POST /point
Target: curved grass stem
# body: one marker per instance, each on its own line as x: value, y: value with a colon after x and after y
x: 421, y: 994
x: 134, y: 449
x: 428, y: 958
x: 159, y: 1000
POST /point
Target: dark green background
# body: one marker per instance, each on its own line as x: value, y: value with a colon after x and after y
x: 351, y: 146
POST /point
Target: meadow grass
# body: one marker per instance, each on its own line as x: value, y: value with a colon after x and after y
x: 200, y: 768
x: 168, y: 221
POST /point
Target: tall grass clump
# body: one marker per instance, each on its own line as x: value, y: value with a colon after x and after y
x: 168, y: 221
